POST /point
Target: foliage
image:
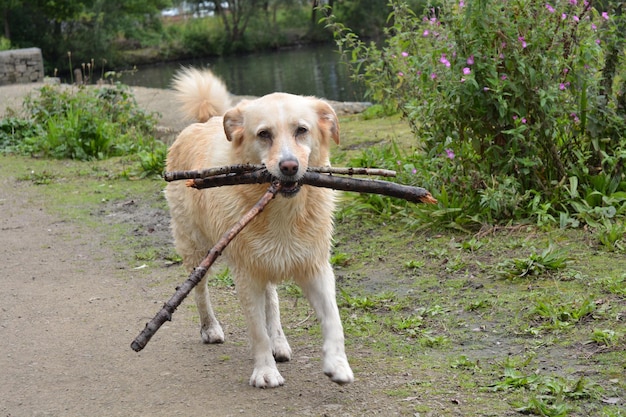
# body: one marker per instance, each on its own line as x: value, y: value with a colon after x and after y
x: 5, y: 44
x: 507, y: 110
x: 84, y: 123
x: 90, y: 29
x: 535, y: 264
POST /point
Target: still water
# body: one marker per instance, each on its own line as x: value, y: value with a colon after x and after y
x: 318, y: 71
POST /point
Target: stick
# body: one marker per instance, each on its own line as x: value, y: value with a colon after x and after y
x: 210, y: 172
x: 241, y: 168
x: 409, y: 193
x: 165, y: 314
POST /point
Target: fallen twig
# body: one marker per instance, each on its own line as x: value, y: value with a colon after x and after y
x: 409, y: 193
x: 165, y: 314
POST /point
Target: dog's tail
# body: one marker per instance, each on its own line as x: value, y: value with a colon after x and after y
x: 201, y: 93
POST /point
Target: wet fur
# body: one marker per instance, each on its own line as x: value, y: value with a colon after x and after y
x: 290, y: 239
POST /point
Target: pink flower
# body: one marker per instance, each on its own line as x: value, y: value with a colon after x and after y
x: 605, y: 15
x: 521, y: 39
x: 461, y: 3
x: 562, y: 86
x: 594, y: 27
x: 450, y: 153
x: 405, y: 54
x: 400, y: 74
x: 470, y: 60
x: 576, y: 19
x: 444, y: 60
x: 598, y: 41
x: 467, y: 71
x: 572, y: 2
x: 425, y: 33
x: 503, y: 77
x: 550, y: 8
x: 563, y: 16
x: 523, y: 120
x: 433, y: 76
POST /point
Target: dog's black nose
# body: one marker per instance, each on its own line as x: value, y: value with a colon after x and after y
x: 289, y: 167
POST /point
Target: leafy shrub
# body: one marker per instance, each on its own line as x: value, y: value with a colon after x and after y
x: 81, y: 123
x: 510, y: 98
x: 15, y: 133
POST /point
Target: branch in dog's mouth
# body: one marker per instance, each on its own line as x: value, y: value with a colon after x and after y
x: 318, y: 177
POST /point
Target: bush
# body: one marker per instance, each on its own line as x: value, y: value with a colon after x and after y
x: 83, y: 123
x: 512, y: 98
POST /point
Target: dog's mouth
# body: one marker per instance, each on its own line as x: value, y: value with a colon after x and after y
x: 289, y: 189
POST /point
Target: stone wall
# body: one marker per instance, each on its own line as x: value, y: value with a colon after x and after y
x: 20, y: 66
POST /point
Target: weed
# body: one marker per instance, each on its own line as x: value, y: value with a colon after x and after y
x: 359, y: 303
x: 148, y: 254
x: 432, y: 341
x: 463, y: 362
x: 535, y: 264
x: 478, y: 305
x: 559, y: 316
x: 340, y: 259
x: 604, y: 337
x: 414, y: 264
x: 615, y: 285
x: 38, y: 178
x: 611, y: 235
x: 471, y: 245
x: 551, y: 395
x: 222, y: 279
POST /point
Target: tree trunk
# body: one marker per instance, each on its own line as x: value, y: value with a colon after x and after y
x: 7, y: 27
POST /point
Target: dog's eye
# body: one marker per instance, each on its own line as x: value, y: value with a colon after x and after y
x: 264, y: 134
x: 301, y: 130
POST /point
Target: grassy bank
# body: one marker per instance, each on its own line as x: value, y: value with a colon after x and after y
x: 498, y: 322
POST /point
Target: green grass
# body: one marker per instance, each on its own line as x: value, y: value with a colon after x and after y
x: 425, y: 310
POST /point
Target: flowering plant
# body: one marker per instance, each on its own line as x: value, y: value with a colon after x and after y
x: 518, y: 90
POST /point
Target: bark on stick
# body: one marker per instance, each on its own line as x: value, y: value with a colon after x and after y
x: 165, y: 314
x: 406, y: 192
x: 241, y: 168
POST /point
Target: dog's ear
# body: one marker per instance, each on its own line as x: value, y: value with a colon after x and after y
x: 233, y: 123
x: 328, y: 121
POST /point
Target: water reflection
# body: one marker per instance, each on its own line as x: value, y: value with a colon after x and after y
x: 315, y: 71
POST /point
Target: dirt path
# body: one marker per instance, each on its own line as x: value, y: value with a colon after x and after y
x: 69, y: 312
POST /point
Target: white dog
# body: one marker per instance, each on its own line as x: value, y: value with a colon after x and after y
x: 290, y: 239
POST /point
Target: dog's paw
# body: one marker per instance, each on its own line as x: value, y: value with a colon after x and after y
x: 266, y: 377
x: 281, y: 349
x: 338, y: 370
x: 212, y: 334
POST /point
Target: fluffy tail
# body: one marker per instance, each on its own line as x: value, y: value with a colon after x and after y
x: 201, y: 93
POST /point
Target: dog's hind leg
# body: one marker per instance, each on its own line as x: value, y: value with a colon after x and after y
x: 280, y: 346
x: 320, y: 291
x: 253, y: 297
x: 210, y: 329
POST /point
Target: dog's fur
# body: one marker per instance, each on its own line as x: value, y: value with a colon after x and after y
x: 290, y: 239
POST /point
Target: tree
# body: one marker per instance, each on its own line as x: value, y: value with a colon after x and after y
x: 235, y: 15
x: 85, y: 28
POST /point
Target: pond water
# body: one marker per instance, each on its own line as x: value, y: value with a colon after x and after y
x: 311, y: 70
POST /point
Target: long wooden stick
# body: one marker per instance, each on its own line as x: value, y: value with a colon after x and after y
x: 409, y: 193
x: 241, y: 168
x: 165, y: 314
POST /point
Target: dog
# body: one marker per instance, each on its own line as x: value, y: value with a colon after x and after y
x: 290, y: 239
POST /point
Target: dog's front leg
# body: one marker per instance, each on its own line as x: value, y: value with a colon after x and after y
x: 252, y: 296
x: 320, y: 291
x: 280, y: 346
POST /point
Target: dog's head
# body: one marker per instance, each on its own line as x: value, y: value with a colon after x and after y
x: 287, y: 133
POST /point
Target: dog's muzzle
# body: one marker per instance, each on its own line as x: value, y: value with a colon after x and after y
x: 288, y: 173
x: 289, y: 188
